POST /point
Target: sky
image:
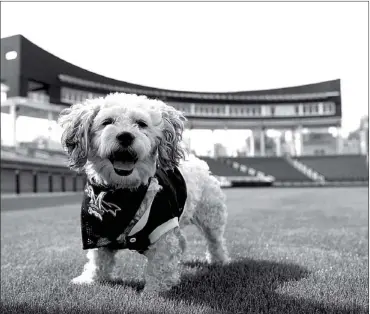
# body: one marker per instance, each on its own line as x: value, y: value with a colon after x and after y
x: 207, y: 46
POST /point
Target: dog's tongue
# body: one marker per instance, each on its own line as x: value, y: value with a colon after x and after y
x: 123, y: 165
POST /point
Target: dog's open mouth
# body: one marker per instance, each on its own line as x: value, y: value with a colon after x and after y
x: 123, y: 162
x: 123, y: 168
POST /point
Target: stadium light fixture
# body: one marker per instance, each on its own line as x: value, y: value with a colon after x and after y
x: 11, y: 55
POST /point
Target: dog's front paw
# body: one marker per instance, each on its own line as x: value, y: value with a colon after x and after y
x: 83, y: 280
x: 222, y: 259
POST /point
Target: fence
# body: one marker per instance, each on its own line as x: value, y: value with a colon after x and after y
x: 25, y: 175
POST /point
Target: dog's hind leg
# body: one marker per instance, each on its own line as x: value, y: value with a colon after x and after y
x: 98, y: 268
x: 210, y: 217
x: 216, y: 247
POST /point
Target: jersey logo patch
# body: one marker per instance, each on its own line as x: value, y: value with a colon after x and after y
x: 97, y: 206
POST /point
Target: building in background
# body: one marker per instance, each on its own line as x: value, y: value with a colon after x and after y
x: 364, y: 135
x: 220, y: 150
x: 321, y: 143
x: 357, y: 141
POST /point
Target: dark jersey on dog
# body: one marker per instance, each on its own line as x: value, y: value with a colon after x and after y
x: 132, y: 219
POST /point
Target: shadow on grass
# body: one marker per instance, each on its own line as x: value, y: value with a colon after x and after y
x: 243, y: 286
x: 248, y: 286
x: 25, y: 308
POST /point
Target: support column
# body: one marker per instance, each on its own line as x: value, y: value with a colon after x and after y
x: 289, y: 142
x: 50, y: 129
x: 13, y: 116
x: 262, y: 142
x: 321, y: 108
x: 339, y: 141
x: 251, y: 145
x: 192, y: 109
x: 278, y: 145
x: 227, y: 110
x: 298, y: 141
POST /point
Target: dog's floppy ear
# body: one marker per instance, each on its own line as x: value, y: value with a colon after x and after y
x: 76, y: 122
x: 169, y: 149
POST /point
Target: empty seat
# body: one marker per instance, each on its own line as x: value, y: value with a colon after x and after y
x: 274, y: 166
x: 339, y: 167
x: 219, y: 168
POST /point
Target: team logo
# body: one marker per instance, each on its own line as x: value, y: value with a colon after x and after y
x: 97, y: 206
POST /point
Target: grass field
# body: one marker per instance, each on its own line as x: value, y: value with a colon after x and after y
x: 293, y: 251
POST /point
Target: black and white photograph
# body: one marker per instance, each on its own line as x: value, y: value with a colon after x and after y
x: 184, y: 157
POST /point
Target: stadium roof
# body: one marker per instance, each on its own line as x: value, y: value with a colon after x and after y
x: 60, y: 72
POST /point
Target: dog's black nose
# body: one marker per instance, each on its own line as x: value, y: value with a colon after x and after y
x: 125, y: 138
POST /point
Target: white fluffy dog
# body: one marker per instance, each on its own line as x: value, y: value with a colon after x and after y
x: 141, y: 190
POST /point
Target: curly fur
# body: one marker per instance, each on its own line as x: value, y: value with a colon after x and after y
x: 169, y: 150
x: 76, y: 122
x: 89, y: 141
x: 163, y: 262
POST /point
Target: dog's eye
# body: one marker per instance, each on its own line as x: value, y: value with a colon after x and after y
x: 107, y: 121
x: 141, y: 124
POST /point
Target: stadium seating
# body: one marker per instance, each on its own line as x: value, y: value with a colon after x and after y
x: 30, y: 174
x: 275, y: 166
x: 339, y: 168
x: 219, y: 168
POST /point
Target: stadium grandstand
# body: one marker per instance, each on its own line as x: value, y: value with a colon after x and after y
x: 294, y: 134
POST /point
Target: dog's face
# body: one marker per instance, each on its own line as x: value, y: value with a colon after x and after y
x: 119, y: 140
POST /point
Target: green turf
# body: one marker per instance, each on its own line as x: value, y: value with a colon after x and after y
x: 293, y: 251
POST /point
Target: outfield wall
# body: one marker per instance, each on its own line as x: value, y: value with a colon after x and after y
x: 39, y: 200
x: 20, y: 175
